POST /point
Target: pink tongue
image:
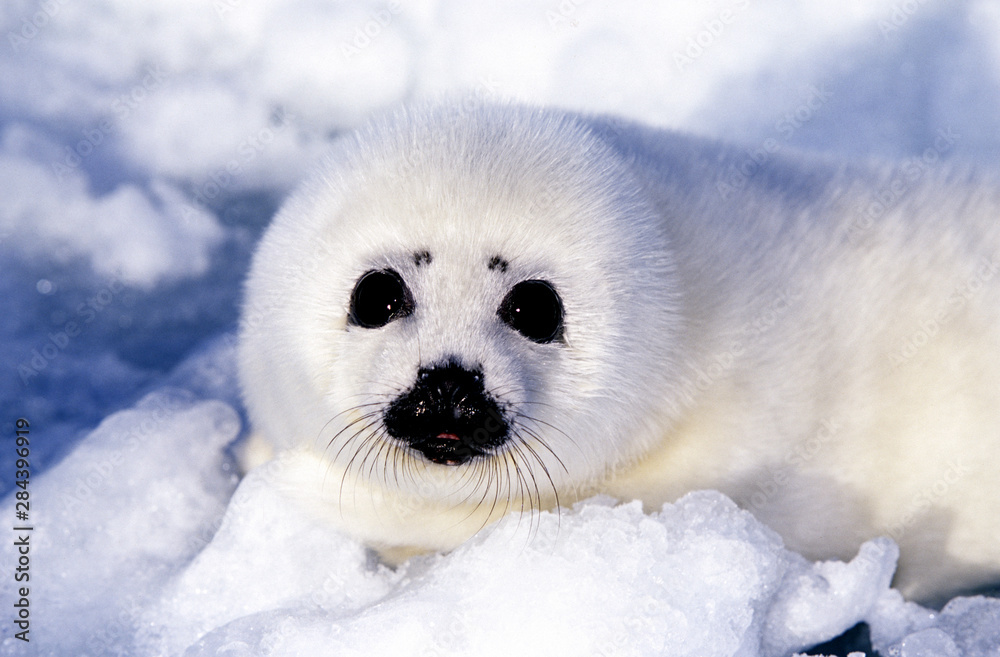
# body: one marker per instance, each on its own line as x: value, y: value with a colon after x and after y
x: 447, y: 436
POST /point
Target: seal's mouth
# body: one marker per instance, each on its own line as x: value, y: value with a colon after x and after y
x: 447, y: 449
x: 447, y: 416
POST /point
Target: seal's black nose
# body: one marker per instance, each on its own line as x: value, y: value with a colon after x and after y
x: 447, y: 415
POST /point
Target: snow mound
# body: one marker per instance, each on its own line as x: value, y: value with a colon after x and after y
x: 116, y: 518
x: 139, y: 235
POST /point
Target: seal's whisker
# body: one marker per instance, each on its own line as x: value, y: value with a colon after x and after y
x: 548, y: 475
x: 524, y: 416
x: 542, y: 443
x: 532, y: 494
x: 363, y: 420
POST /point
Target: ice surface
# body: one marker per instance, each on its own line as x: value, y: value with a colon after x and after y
x: 143, y: 146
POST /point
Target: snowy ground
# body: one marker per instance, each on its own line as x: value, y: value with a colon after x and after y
x: 143, y: 148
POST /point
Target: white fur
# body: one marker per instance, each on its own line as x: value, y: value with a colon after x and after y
x: 721, y: 332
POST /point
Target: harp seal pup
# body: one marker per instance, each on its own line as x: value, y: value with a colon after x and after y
x: 475, y: 309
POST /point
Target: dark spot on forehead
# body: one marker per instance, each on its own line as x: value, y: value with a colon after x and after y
x: 496, y: 262
x: 422, y: 258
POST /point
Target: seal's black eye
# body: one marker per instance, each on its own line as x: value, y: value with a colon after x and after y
x: 533, y: 309
x: 378, y: 298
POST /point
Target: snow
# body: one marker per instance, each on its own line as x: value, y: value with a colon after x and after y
x: 140, y: 236
x: 143, y: 148
x: 113, y: 520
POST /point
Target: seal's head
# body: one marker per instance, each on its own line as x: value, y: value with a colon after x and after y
x: 470, y: 304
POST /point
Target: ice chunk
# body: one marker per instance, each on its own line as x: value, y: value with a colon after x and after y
x: 818, y: 603
x: 966, y: 627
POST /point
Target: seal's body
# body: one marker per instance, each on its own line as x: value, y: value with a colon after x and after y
x: 479, y: 309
